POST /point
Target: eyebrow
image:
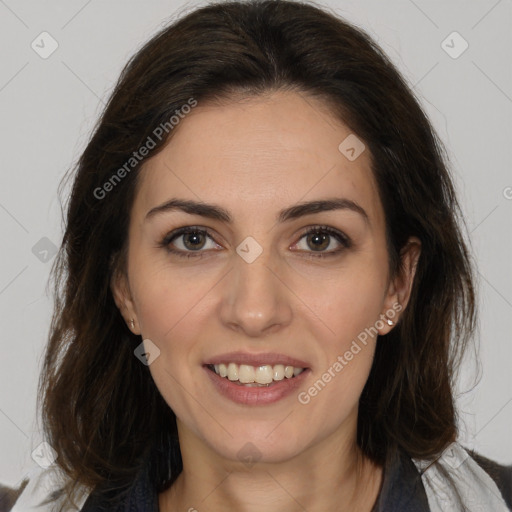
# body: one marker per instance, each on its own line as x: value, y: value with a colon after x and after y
x: 216, y: 212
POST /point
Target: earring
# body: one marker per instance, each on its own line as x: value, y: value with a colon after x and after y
x: 132, y: 323
x: 390, y: 322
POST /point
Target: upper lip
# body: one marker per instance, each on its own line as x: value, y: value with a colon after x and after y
x: 267, y: 358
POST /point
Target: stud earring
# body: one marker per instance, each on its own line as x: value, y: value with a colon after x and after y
x: 390, y: 322
x: 132, y: 323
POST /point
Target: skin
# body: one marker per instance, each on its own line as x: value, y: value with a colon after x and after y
x: 254, y: 157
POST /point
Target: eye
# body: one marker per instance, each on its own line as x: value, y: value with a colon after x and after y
x: 184, y: 242
x: 318, y: 239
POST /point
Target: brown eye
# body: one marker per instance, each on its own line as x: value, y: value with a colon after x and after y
x: 193, y: 240
x: 188, y: 242
x: 324, y: 241
x: 318, y: 241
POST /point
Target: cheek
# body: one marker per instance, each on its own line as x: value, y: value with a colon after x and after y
x: 167, y: 319
x: 346, y: 300
x: 346, y: 356
x: 171, y: 307
x: 347, y: 306
x: 167, y: 298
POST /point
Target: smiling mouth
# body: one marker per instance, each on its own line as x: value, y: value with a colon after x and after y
x: 255, y: 376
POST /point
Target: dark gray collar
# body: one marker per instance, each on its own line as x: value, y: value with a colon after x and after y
x: 401, y: 491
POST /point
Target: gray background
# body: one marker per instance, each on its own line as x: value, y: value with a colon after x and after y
x: 48, y: 107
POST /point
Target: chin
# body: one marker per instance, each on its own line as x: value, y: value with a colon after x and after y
x: 251, y: 445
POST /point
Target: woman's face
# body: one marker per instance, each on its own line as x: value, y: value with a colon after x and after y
x: 257, y: 289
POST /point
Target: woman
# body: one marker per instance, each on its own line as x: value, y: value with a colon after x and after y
x: 263, y: 292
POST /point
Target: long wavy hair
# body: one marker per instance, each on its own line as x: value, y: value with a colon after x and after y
x: 101, y: 410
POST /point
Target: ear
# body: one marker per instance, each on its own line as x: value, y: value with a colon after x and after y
x: 120, y: 288
x: 399, y: 289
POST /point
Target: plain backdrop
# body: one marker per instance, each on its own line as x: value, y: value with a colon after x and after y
x: 49, y: 105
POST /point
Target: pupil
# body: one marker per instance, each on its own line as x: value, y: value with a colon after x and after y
x: 322, y: 238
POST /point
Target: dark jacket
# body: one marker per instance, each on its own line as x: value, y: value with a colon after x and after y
x: 401, y: 490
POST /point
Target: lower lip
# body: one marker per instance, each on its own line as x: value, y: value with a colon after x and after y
x: 256, y: 395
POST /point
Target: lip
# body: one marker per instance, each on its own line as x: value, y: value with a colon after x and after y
x: 255, y: 395
x: 257, y: 359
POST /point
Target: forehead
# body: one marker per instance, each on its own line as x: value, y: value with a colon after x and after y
x: 258, y: 155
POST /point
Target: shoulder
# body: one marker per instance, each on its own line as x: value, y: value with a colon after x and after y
x: 9, y: 495
x: 41, y: 490
x: 460, y: 476
x: 139, y: 495
x: 500, y: 474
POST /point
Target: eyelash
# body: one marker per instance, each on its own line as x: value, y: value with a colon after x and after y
x: 170, y: 237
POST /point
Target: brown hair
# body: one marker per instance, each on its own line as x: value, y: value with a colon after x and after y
x: 101, y: 410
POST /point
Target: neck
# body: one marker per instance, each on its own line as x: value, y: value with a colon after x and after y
x: 324, y: 477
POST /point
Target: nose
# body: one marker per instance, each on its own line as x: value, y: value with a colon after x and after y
x: 256, y: 299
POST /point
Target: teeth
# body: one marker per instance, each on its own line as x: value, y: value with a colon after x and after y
x: 232, y: 371
x: 264, y: 374
x: 223, y: 370
x: 245, y: 373
x: 278, y: 372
